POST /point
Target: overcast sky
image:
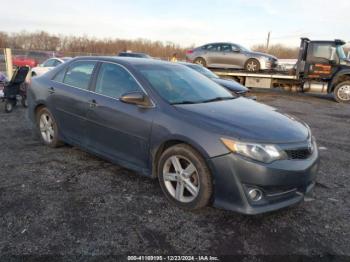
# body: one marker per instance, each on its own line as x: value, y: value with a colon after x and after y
x: 185, y: 22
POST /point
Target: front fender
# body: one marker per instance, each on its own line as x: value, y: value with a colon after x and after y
x: 343, y: 73
x: 172, y: 129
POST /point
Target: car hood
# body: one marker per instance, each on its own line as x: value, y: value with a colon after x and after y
x: 247, y: 120
x: 258, y: 54
x: 231, y: 85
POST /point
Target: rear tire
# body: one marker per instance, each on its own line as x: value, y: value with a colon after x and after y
x: 342, y: 92
x: 200, y: 61
x: 252, y: 65
x: 47, y: 128
x: 184, y: 177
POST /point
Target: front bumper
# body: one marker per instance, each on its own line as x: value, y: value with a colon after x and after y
x: 267, y: 64
x: 283, y: 183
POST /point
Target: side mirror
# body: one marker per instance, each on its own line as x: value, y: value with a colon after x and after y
x: 333, y: 54
x: 136, y: 98
x: 236, y: 50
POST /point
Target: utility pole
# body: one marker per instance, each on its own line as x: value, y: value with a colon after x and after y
x: 268, y: 41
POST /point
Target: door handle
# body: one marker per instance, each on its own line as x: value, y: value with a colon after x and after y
x: 51, y: 90
x: 93, y: 103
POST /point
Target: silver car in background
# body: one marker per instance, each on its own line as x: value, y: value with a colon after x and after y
x: 229, y: 55
x: 48, y: 65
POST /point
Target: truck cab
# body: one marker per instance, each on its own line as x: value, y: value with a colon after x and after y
x: 323, y: 66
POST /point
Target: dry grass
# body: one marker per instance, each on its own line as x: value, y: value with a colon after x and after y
x: 278, y: 50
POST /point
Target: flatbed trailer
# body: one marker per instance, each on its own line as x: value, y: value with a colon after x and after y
x: 322, y: 67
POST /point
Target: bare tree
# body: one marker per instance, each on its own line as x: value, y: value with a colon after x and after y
x: 278, y: 50
x: 83, y: 45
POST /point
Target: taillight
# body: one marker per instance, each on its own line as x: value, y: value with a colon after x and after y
x: 189, y: 52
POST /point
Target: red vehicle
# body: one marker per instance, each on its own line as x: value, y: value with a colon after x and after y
x: 24, y: 61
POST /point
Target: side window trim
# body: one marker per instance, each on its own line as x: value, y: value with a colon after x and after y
x: 94, y: 75
x: 64, y: 70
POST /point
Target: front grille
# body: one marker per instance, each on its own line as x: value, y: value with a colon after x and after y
x: 302, y: 153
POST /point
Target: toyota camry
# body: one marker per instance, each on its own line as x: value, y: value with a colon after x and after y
x: 166, y: 121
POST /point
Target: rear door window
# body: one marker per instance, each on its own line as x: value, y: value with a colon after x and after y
x: 114, y: 81
x: 59, y: 76
x: 212, y: 47
x: 79, y: 74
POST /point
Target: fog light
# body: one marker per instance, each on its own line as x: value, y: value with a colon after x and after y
x: 255, y: 194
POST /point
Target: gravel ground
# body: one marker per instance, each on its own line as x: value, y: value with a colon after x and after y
x: 67, y: 202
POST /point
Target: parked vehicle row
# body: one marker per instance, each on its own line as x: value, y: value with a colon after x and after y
x: 167, y: 121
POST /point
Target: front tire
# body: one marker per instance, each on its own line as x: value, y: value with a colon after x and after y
x: 342, y: 92
x: 252, y: 65
x: 47, y: 127
x: 200, y: 61
x: 184, y: 177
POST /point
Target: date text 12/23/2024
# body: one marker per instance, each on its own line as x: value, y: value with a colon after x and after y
x: 173, y: 258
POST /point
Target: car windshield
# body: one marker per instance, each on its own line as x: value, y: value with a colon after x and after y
x: 244, y: 48
x: 203, y: 70
x: 179, y: 84
x: 341, y: 52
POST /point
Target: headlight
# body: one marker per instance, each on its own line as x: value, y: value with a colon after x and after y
x: 266, y: 58
x: 259, y: 152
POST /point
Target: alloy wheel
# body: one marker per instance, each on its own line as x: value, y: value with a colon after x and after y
x: 181, y: 178
x: 344, y: 92
x: 46, y: 128
x: 252, y: 66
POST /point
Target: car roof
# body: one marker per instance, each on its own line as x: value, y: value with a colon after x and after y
x: 220, y: 43
x: 131, y: 61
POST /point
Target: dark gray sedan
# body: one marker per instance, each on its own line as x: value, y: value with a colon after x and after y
x: 229, y: 55
x: 166, y: 121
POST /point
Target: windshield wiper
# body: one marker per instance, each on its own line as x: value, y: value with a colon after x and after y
x: 219, y: 98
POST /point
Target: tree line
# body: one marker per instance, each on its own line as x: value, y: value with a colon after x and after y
x: 83, y: 45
